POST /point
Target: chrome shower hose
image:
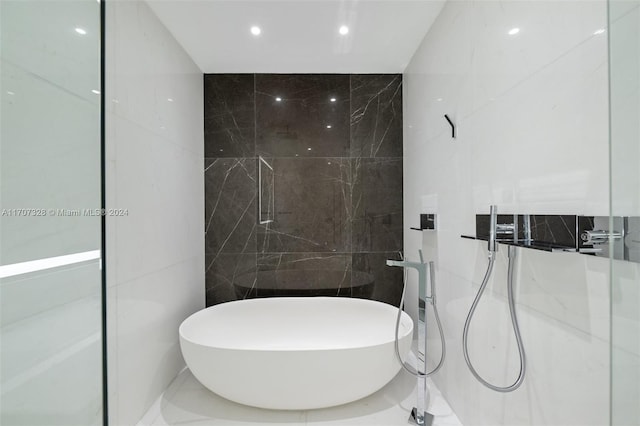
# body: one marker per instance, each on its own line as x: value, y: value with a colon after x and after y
x: 514, y: 322
x: 408, y: 369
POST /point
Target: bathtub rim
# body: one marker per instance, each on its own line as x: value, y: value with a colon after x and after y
x: 405, y: 320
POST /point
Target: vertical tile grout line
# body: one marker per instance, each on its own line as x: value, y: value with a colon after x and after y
x: 258, y: 189
x: 611, y: 270
x: 103, y: 230
x: 351, y: 182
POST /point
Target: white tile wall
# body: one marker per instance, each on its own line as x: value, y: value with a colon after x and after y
x: 155, y: 254
x: 625, y: 200
x: 532, y: 123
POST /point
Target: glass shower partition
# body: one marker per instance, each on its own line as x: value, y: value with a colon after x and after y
x: 624, y: 74
x: 51, y: 363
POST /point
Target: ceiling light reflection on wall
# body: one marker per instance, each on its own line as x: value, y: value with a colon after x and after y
x: 47, y: 263
x: 599, y: 31
x: 81, y: 31
x: 514, y: 31
x: 255, y: 30
x: 97, y: 92
x: 344, y: 30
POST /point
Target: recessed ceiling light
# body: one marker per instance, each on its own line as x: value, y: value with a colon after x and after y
x: 439, y: 99
x: 81, y: 31
x: 332, y: 99
x: 170, y: 99
x: 97, y: 92
x: 328, y: 126
x: 514, y: 31
x: 344, y: 30
x: 599, y: 31
x: 255, y: 30
x: 308, y: 149
x: 278, y: 99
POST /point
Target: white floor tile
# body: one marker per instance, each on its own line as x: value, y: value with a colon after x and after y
x: 187, y: 402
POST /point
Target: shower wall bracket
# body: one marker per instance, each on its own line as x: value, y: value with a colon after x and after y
x: 601, y: 236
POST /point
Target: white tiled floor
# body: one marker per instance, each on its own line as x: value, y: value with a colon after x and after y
x: 187, y: 402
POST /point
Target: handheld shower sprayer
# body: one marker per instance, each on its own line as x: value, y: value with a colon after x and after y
x: 492, y: 244
x: 492, y: 249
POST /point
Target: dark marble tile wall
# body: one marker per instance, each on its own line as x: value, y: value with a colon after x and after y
x: 230, y: 205
x: 302, y: 115
x: 335, y: 145
x: 377, y: 204
x: 376, y: 115
x: 312, y: 200
x: 229, y: 116
x: 302, y: 274
x: 388, y: 280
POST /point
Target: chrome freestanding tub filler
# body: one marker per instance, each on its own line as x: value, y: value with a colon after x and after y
x: 295, y: 353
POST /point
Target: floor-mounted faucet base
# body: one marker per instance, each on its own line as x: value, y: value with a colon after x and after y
x: 427, y: 418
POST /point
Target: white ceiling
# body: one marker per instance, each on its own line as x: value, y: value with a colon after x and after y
x: 299, y: 36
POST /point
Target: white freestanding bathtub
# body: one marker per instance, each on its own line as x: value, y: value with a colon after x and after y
x: 294, y: 353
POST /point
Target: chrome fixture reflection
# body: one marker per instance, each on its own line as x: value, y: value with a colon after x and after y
x: 603, y: 236
x: 597, y: 237
x: 494, y: 231
x: 266, y: 192
x: 492, y: 244
x: 526, y: 225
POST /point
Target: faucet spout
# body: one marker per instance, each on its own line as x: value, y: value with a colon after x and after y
x: 405, y: 264
x: 421, y: 267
